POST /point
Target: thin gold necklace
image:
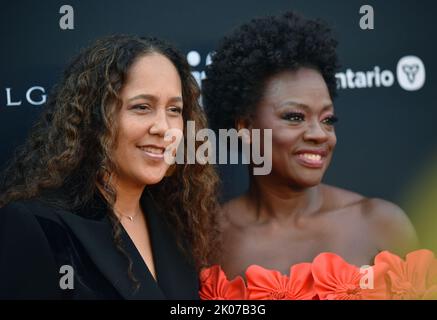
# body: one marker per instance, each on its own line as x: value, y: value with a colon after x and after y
x: 130, y: 217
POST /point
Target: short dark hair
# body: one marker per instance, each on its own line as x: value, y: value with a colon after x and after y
x: 257, y: 50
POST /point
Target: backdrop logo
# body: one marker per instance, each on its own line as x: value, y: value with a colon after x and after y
x: 35, y: 96
x: 194, y: 60
x: 410, y: 74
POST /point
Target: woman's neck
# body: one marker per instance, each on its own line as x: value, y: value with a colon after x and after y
x: 280, y: 202
x: 128, y: 197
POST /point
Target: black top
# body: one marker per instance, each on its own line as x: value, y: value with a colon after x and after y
x: 36, y: 239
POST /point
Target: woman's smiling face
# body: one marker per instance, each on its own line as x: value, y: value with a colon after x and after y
x: 152, y: 104
x: 298, y: 108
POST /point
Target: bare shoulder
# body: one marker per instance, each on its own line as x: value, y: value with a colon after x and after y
x: 391, y: 227
x: 234, y: 212
x: 233, y: 204
x: 340, y: 198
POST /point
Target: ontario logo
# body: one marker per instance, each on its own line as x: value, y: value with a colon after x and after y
x: 410, y: 75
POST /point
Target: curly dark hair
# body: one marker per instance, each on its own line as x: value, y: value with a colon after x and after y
x: 258, y: 49
x: 81, y: 116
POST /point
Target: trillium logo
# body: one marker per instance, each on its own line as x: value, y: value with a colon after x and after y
x: 411, y: 73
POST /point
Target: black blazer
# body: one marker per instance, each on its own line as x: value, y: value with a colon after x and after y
x: 36, y: 239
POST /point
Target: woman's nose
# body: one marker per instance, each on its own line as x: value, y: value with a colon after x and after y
x: 315, y: 132
x: 160, y: 124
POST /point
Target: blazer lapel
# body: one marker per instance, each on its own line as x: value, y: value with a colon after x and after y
x: 95, y: 234
x: 176, y: 275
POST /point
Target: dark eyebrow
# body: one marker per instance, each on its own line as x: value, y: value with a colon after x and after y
x: 177, y: 99
x: 142, y: 96
x: 304, y: 106
x: 152, y: 98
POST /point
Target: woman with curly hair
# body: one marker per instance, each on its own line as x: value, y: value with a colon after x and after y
x: 89, y: 207
x: 279, y: 73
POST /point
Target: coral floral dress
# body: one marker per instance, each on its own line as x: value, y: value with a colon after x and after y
x: 329, y: 277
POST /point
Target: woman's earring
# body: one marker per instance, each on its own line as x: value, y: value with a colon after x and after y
x: 107, y: 178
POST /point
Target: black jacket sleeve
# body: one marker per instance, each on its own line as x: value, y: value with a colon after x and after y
x: 27, y: 267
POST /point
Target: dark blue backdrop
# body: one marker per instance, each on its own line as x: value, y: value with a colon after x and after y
x: 387, y: 136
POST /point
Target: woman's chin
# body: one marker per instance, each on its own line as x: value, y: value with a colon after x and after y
x: 153, y: 179
x: 152, y: 175
x: 308, y: 182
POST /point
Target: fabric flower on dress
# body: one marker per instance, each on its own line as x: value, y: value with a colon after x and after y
x: 214, y: 285
x: 412, y: 278
x: 335, y: 279
x: 264, y: 284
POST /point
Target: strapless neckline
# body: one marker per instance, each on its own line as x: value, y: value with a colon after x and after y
x: 330, y: 277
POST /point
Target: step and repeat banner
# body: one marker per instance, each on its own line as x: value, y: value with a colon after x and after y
x: 387, y: 103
